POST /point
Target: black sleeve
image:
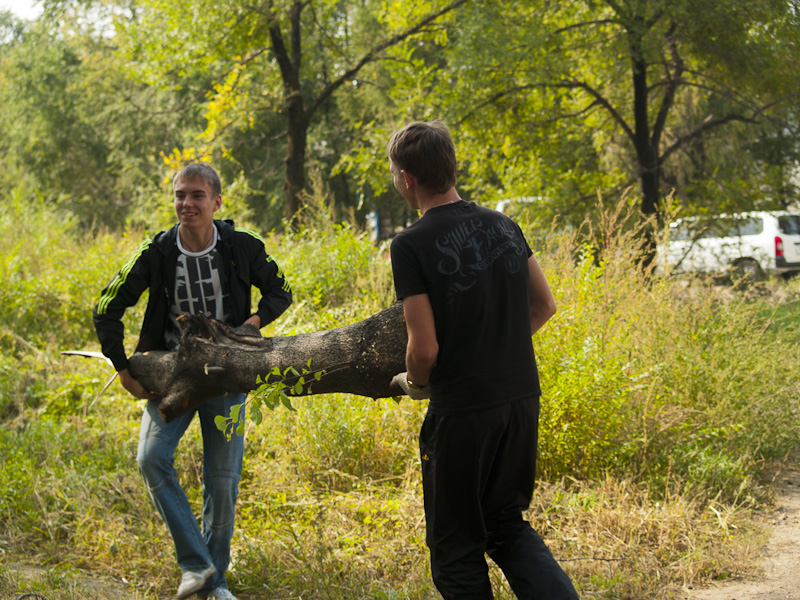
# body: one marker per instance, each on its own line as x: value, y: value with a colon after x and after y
x: 268, y: 277
x: 124, y: 290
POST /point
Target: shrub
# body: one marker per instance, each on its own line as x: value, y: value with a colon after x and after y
x: 658, y: 378
x: 664, y: 400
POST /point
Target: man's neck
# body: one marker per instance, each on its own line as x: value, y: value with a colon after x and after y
x: 196, y: 241
x: 427, y: 202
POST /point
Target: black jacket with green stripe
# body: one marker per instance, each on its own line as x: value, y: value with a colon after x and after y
x: 245, y: 264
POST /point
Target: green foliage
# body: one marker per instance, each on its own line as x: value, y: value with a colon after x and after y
x: 44, y: 459
x: 339, y: 266
x: 542, y: 101
x: 342, y: 442
x: 335, y: 270
x: 649, y: 378
x: 74, y: 127
x: 100, y: 102
x: 270, y: 393
x: 51, y: 274
x: 664, y: 402
x: 297, y: 77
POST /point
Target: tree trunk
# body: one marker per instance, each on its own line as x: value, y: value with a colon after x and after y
x: 214, y: 359
x: 296, y: 145
x: 646, y: 153
x: 290, y: 61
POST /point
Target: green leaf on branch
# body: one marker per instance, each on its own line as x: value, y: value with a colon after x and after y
x: 270, y: 393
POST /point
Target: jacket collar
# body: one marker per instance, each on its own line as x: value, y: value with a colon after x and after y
x: 166, y: 241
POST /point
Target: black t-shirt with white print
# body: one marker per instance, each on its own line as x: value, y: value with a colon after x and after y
x: 473, y: 264
x: 199, y: 288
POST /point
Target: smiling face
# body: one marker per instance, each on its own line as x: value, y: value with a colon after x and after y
x: 195, y: 203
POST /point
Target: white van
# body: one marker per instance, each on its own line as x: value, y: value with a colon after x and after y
x: 515, y: 206
x: 751, y: 245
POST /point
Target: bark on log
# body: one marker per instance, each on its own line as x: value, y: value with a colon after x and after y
x: 214, y: 359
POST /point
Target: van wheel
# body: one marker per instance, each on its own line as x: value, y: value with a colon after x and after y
x: 747, y: 270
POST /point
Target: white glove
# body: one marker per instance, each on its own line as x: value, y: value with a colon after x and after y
x: 415, y: 392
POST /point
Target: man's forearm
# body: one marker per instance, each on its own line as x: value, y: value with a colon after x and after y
x: 423, y: 347
x: 540, y: 315
x: 419, y: 368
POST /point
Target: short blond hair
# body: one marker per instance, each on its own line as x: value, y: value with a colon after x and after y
x: 203, y: 171
x: 425, y: 150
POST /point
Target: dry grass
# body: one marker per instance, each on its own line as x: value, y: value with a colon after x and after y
x: 617, y: 542
x: 296, y: 539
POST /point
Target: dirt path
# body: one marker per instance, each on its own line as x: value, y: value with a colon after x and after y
x: 780, y: 579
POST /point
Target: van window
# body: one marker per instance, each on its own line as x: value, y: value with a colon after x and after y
x: 719, y: 227
x: 789, y: 224
x: 735, y: 227
x: 681, y: 231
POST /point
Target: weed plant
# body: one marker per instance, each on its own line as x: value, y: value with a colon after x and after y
x: 666, y: 402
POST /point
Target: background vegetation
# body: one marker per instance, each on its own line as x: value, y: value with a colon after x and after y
x: 103, y: 99
x: 667, y: 404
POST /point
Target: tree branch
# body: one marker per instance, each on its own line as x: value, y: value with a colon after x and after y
x: 373, y: 54
x: 672, y: 84
x: 707, y: 125
x: 601, y: 100
x: 710, y: 124
x: 288, y: 63
x: 582, y: 24
x: 521, y: 88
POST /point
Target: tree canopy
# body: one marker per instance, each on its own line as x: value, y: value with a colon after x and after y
x: 568, y: 99
x: 563, y: 102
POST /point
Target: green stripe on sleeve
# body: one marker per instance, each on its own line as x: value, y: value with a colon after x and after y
x: 286, y: 287
x: 251, y: 232
x: 113, y: 288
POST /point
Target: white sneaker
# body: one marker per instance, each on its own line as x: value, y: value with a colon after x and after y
x: 193, y: 581
x: 221, y: 593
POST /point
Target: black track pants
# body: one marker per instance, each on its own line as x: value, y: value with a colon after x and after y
x: 478, y: 472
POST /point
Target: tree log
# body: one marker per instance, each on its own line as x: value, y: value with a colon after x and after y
x: 214, y: 359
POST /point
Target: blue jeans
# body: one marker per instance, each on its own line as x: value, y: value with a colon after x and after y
x: 222, y: 469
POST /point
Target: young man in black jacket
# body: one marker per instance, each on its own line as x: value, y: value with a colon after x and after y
x: 473, y: 295
x: 199, y: 265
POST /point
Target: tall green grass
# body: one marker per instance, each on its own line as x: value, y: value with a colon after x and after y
x: 665, y: 402
x: 660, y: 380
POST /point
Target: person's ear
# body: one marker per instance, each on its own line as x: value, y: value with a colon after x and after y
x: 218, y: 202
x: 409, y: 179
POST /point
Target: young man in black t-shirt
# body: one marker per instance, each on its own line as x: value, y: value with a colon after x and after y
x: 473, y: 294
